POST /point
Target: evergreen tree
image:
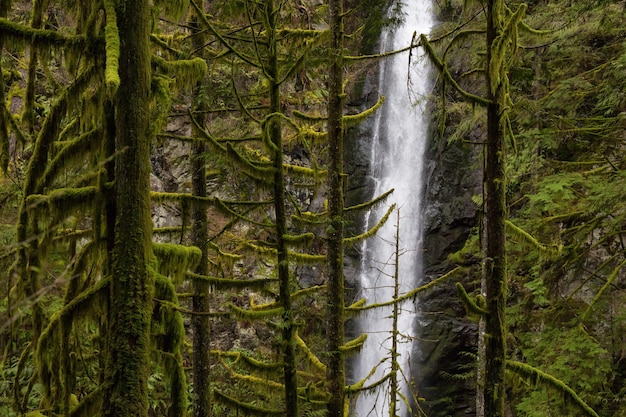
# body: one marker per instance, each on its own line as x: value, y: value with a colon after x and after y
x: 132, y: 281
x: 336, y: 291
x: 200, y: 238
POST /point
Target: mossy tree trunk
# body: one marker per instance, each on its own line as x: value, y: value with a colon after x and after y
x: 494, y: 256
x: 4, y: 128
x: 200, y: 322
x: 335, y: 370
x: 132, y: 282
x: 288, y: 339
x: 278, y: 183
x: 28, y: 117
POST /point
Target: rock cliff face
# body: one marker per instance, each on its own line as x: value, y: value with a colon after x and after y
x: 446, y: 338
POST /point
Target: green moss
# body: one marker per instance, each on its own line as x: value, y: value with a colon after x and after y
x: 355, y: 119
x: 473, y: 307
x: 112, y: 48
x: 26, y: 34
x: 249, y: 409
x: 72, y: 152
x: 185, y: 72
x: 175, y: 260
x: 539, y: 377
x: 225, y: 283
x: 372, y: 231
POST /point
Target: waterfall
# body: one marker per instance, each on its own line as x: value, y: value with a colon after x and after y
x: 397, y: 150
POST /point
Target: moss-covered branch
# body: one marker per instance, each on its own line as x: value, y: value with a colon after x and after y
x: 539, y: 377
x: 354, y: 119
x: 247, y: 408
x: 19, y: 33
x: 185, y: 71
x: 175, y: 260
x: 411, y: 294
x: 253, y: 314
x: 372, y: 231
x: 226, y: 283
x: 443, y: 69
x: 474, y: 307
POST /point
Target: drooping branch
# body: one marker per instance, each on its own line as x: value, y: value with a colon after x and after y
x: 540, y: 377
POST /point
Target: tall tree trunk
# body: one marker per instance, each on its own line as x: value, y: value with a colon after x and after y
x: 494, y: 257
x: 335, y: 309
x: 132, y: 283
x: 28, y: 117
x: 288, y: 340
x: 5, y: 5
x: 200, y: 323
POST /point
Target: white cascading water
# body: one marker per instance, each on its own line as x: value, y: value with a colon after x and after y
x: 396, y: 159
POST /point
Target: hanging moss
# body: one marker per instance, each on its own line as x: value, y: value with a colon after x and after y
x: 4, y: 127
x: 173, y: 8
x: 47, y: 357
x: 311, y: 135
x: 42, y: 37
x: 263, y: 174
x: 170, y: 342
x: 294, y: 297
x: 504, y: 45
x: 73, y: 152
x: 175, y: 260
x: 185, y: 72
x: 226, y: 209
x: 360, y: 386
x: 112, y: 49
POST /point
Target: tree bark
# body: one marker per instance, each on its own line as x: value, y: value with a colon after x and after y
x: 200, y: 323
x: 335, y: 373
x: 132, y: 283
x: 289, y: 355
x: 494, y: 258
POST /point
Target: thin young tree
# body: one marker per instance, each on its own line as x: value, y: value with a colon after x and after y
x: 335, y: 256
x: 200, y: 238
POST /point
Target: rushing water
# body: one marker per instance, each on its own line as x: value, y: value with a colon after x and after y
x: 396, y: 159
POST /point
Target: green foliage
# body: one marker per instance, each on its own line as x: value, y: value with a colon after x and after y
x: 570, y: 356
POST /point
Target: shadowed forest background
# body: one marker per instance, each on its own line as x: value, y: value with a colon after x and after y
x: 180, y: 203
